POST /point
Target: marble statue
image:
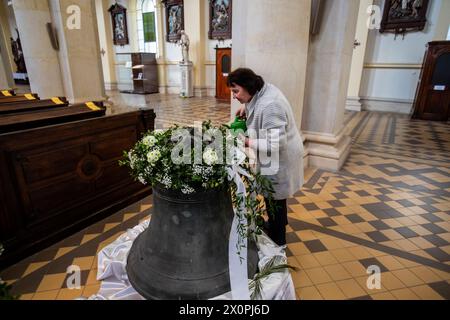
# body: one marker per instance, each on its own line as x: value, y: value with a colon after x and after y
x: 184, y: 43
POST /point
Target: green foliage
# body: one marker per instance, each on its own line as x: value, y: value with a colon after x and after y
x: 275, y: 265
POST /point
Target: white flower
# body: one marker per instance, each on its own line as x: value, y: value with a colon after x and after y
x: 133, y: 158
x: 197, y: 170
x: 153, y: 156
x: 207, y: 171
x: 141, y: 179
x: 166, y: 181
x: 210, y: 157
x: 187, y: 190
x: 149, y: 141
x: 158, y: 131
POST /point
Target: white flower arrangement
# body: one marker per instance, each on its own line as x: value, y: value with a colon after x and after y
x: 192, y: 160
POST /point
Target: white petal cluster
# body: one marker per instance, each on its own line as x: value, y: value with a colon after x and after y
x: 153, y: 156
x: 187, y: 189
x: 133, y: 159
x: 149, y: 141
x: 210, y: 157
x: 142, y: 179
x: 203, y: 171
x: 166, y: 181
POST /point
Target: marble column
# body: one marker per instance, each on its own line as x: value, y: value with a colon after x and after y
x: 41, y: 59
x: 361, y: 34
x: 6, y: 60
x: 79, y: 52
x: 272, y: 39
x: 327, y: 81
x: 6, y: 79
x: 194, y: 24
x: 161, y: 56
x: 106, y: 43
x: 443, y: 22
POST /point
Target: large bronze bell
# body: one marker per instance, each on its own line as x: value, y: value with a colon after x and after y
x: 184, y: 252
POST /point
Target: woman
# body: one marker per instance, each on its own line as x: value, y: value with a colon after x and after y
x: 269, y: 116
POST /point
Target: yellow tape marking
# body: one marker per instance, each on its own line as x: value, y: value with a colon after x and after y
x: 57, y: 100
x: 29, y: 96
x: 92, y: 106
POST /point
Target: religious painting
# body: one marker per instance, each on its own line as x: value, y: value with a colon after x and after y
x: 220, y: 12
x: 174, y: 19
x: 401, y: 16
x: 19, y: 59
x: 119, y: 24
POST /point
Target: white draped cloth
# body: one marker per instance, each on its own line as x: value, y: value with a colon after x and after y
x: 116, y: 286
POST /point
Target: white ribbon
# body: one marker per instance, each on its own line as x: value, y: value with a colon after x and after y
x: 237, y: 261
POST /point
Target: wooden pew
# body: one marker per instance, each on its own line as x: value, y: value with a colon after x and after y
x: 59, y: 179
x: 7, y: 93
x: 18, y: 98
x: 32, y: 105
x: 29, y: 120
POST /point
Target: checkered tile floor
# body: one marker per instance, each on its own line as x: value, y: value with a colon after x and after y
x: 170, y: 109
x: 388, y: 207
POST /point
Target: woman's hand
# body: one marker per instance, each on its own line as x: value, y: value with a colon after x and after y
x: 247, y: 142
x: 241, y: 112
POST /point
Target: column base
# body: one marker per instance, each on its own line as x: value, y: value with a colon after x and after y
x: 353, y: 104
x: 387, y: 105
x: 87, y: 99
x: 110, y: 86
x: 327, y: 151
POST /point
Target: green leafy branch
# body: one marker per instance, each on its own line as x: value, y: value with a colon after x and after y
x: 273, y: 266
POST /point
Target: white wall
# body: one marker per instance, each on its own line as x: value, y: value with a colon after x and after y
x: 123, y: 74
x: 210, y: 56
x: 172, y: 57
x: 396, y: 83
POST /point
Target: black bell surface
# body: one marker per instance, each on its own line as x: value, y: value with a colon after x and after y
x: 184, y: 252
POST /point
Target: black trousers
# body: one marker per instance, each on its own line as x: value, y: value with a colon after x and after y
x: 278, y: 221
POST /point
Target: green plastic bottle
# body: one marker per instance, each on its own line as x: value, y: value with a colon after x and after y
x: 239, y: 125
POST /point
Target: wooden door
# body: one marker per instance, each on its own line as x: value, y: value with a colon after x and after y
x: 432, y: 101
x: 223, y: 68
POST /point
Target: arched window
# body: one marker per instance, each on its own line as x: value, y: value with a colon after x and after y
x: 146, y: 24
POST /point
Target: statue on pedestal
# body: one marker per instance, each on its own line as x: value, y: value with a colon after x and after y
x: 184, y: 43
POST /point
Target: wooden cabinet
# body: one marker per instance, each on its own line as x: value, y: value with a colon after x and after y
x: 432, y: 100
x: 223, y: 68
x: 144, y: 72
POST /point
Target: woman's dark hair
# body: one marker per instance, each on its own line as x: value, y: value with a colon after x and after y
x: 247, y: 79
